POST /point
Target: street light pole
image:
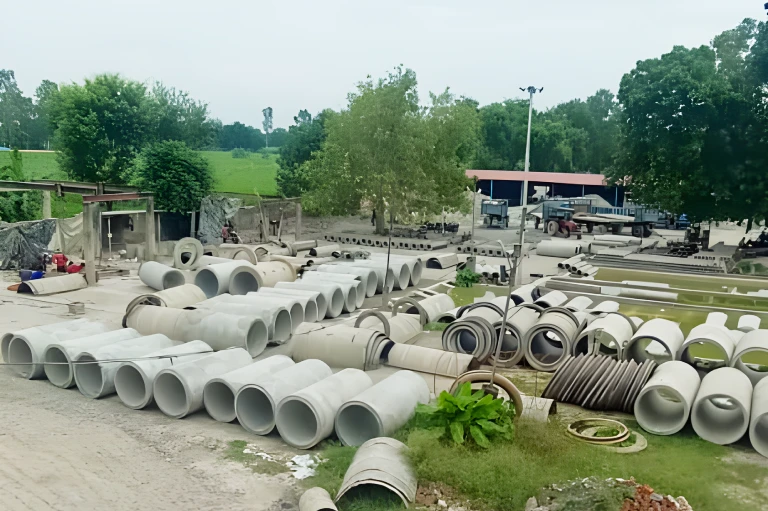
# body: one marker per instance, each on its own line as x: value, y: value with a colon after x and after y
x: 531, y: 91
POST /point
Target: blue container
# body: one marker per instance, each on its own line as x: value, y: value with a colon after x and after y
x: 37, y: 275
x: 25, y: 275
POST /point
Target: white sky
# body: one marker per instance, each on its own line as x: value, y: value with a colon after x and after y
x: 241, y: 56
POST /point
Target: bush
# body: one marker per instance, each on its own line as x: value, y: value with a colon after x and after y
x: 466, y: 278
x: 240, y: 153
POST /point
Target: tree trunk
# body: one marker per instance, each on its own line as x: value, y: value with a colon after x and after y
x: 381, y: 218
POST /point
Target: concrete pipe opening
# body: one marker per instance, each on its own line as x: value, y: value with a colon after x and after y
x: 403, y: 277
x: 717, y: 417
x: 753, y: 363
x: 357, y: 423
x: 759, y: 434
x: 243, y: 281
x: 416, y: 273
x: 131, y: 387
x: 705, y: 355
x: 58, y: 368
x: 663, y: 409
x: 170, y: 395
x: 255, y: 410
x: 467, y: 341
x: 20, y: 354
x: 641, y: 349
x: 208, y: 282
x: 258, y: 336
x: 310, y: 313
x: 298, y: 422
x: 511, y: 347
x: 219, y: 401
x: 88, y: 375
x: 173, y: 279
x: 547, y: 347
x: 336, y: 307
x: 297, y: 315
x: 351, y: 303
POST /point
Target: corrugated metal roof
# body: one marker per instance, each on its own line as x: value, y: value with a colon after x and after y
x: 539, y: 177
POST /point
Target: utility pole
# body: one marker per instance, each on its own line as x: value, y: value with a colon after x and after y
x: 531, y: 91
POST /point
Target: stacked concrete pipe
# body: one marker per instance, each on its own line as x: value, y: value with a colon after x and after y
x: 95, y: 371
x: 657, y: 339
x: 75, y: 324
x: 523, y: 294
x: 400, y: 271
x: 415, y: 266
x: 332, y: 293
x: 751, y: 343
x: 605, y: 335
x: 257, y: 304
x: 311, y: 296
x: 215, y: 280
x: 551, y: 299
x: 721, y: 410
x: 178, y: 390
x: 384, y: 283
x: 381, y: 409
x: 204, y: 261
x: 219, y: 393
x: 758, y: 424
x: 302, y: 246
x: 549, y: 341
x: 398, y: 328
x: 664, y: 404
x: 616, y: 238
x: 367, y: 275
x: 518, y: 323
x: 309, y: 312
x: 175, y: 297
x: 578, y: 303
x: 558, y: 248
x: 186, y: 253
x: 306, y: 417
x: 159, y: 276
x: 342, y: 346
x: 348, y: 290
x: 325, y: 251
x: 353, y: 281
x: 567, y: 263
x: 256, y: 402
x: 429, y: 309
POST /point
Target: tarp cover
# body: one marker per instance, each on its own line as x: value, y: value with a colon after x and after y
x: 68, y: 238
x: 22, y: 244
x: 214, y: 213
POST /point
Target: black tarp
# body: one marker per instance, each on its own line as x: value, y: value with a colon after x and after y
x: 23, y: 244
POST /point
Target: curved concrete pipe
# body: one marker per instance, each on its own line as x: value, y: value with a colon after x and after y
x: 256, y: 402
x: 367, y: 275
x: 348, y: 289
x: 353, y: 281
x: 548, y: 342
x: 159, y: 276
x: 186, y: 252
x: 657, y: 339
x: 332, y: 292
x: 664, y: 404
x: 428, y: 360
x: 214, y: 280
x: 59, y: 356
x: 753, y: 345
x: 381, y: 409
x: 26, y: 351
x: 552, y: 299
x: 415, y: 266
x: 758, y: 424
x: 134, y: 380
x: 316, y: 499
x: 519, y: 321
x: 341, y: 346
x: 175, y: 297
x: 57, y: 329
x: 312, y: 296
x: 219, y: 393
x: 383, y: 284
x: 717, y: 338
x: 748, y: 322
x: 237, y: 252
x: 556, y: 248
x: 178, y: 389
x: 223, y: 331
x: 204, y: 261
x: 429, y: 309
x: 325, y: 251
x: 605, y: 336
x: 399, y: 329
x: 307, y: 416
x: 721, y: 411
x: 96, y: 379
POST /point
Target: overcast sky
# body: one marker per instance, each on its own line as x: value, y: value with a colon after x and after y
x: 241, y: 56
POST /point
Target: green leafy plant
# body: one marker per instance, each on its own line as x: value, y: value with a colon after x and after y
x: 470, y: 416
x: 466, y: 278
x: 240, y: 153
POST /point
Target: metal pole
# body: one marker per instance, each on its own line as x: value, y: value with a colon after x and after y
x: 474, y: 202
x: 385, y: 295
x: 519, y: 270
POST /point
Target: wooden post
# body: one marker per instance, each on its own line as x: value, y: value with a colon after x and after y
x: 149, y: 217
x: 90, y: 213
x: 298, y: 220
x: 46, y: 204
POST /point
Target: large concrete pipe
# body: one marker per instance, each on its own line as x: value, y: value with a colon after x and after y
x: 223, y: 331
x: 472, y: 334
x: 605, y: 336
x: 271, y: 272
x: 186, y: 252
x: 214, y: 280
x: 178, y: 389
x: 26, y: 351
x: 256, y: 402
x: 343, y: 280
x: 258, y: 304
x: 306, y: 417
x: 401, y: 273
x: 549, y: 341
x: 159, y: 276
x: 579, y: 303
x: 134, y: 380
x: 657, y: 339
x: 384, y: 284
x: 381, y: 409
x: 243, y: 280
x: 664, y: 404
x: 519, y: 321
x: 219, y: 393
x: 311, y: 296
x: 301, y: 246
x: 551, y: 299
x: 276, y: 317
x: 400, y: 328
x: 615, y: 238
x: 722, y: 407
x: 415, y: 266
x: 58, y: 357
x: 238, y: 252
x: 748, y: 322
x: 429, y: 309
x: 148, y: 320
x: 309, y: 311
x: 367, y: 275
x: 57, y: 329
x: 325, y: 251
x: 95, y: 374
x: 523, y: 294
x: 348, y: 288
x: 341, y: 346
x: 331, y: 291
x: 558, y: 248
x: 204, y: 261
x: 718, y: 341
x: 175, y: 297
x: 428, y: 360
x: 316, y: 499
x: 751, y: 355
x: 758, y: 424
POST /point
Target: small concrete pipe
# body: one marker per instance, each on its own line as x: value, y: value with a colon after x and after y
x: 548, y: 342
x: 758, y: 424
x: 134, y: 380
x: 566, y: 264
x: 219, y: 393
x: 311, y: 296
x: 223, y: 331
x: 256, y: 402
x: 96, y: 379
x: 331, y: 291
x: 415, y: 266
x: 325, y: 251
x: 348, y: 289
x: 381, y: 409
x: 237, y: 252
x: 159, y: 276
x: 552, y: 299
x: 367, y: 275
x: 557, y: 248
x: 717, y: 338
x: 428, y: 360
x: 301, y: 246
x: 383, y: 284
x: 306, y: 417
x: 205, y: 261
x: 73, y: 325
x: 186, y: 253
x: 214, y: 280
x: 256, y: 304
x: 721, y: 411
x: 604, y: 336
x: 178, y: 389
x: 26, y: 350
x: 355, y: 284
x: 59, y: 356
x: 269, y: 273
x: 657, y: 339
x: 751, y: 354
x: 629, y: 240
x: 664, y: 404
x: 429, y: 309
x: 175, y: 297
x: 748, y: 322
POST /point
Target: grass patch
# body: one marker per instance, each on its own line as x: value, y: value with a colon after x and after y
x: 435, y: 327
x: 235, y: 452
x: 466, y: 295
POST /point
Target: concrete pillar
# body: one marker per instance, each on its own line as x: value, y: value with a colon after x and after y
x: 149, y: 217
x: 192, y: 224
x: 46, y: 204
x: 298, y: 220
x: 90, y: 214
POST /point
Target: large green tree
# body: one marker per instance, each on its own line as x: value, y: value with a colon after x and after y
x: 305, y: 137
x: 16, y: 112
x: 180, y: 117
x: 18, y: 206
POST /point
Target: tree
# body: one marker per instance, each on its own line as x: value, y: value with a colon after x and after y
x: 42, y: 129
x: 278, y: 136
x: 178, y: 176
x: 18, y: 206
x: 267, y: 123
x: 302, y: 140
x: 238, y: 135
x: 179, y: 117
x: 15, y: 112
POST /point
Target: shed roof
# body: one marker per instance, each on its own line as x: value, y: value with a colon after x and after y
x: 539, y: 177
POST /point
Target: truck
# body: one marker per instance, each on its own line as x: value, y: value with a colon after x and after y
x: 597, y: 219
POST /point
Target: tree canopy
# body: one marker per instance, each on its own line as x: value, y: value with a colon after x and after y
x: 305, y: 137
x: 18, y: 206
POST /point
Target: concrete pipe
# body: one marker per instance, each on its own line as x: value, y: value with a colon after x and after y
x: 311, y: 296
x: 301, y: 246
x: 604, y: 307
x: 175, y: 297
x: 523, y: 294
x: 604, y: 336
x: 428, y: 360
x: 96, y: 379
x: 56, y: 329
x: 341, y: 346
x: 186, y: 252
x: 223, y: 331
x: 429, y: 309
x: 348, y: 289
x: 332, y: 293
x: 657, y: 339
x: 274, y: 249
x: 26, y: 351
x: 276, y: 318
x: 59, y: 356
x: 615, y: 238
x: 519, y: 321
x: 204, y: 261
x: 367, y: 275
x: 178, y: 389
x: 586, y: 270
x: 442, y: 261
x: 306, y: 417
x: 256, y: 402
x: 579, y: 303
x: 664, y: 404
x: 159, y: 276
x: 214, y: 280
x: 148, y: 320
x: 383, y: 284
x: 381, y: 409
x: 722, y: 407
x: 134, y: 380
x: 316, y: 499
x: 256, y: 302
x: 758, y: 424
x: 401, y: 274
x: 238, y: 252
x: 271, y: 272
x: 211, y: 250
x: 309, y: 312
x: 716, y: 338
x: 567, y: 263
x: 243, y: 280
x: 358, y: 286
x: 548, y: 342
x: 400, y: 328
x: 748, y: 322
x: 557, y: 248
x: 219, y: 393
x: 552, y: 299
x: 471, y: 335
x: 325, y: 251
x: 415, y: 266
x: 751, y: 355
